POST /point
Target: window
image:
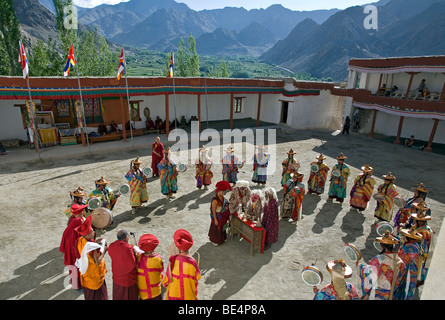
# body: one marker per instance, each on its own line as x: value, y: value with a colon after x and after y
x: 238, y: 105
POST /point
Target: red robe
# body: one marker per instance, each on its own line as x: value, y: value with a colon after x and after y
x: 124, y: 268
x: 69, y: 240
x: 158, y: 148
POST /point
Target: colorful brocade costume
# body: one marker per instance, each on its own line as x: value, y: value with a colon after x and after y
x: 377, y: 277
x: 203, y: 174
x: 410, y: 254
x: 291, y: 204
x: 328, y: 292
x: 403, y: 214
x: 260, y: 162
x: 150, y: 274
x: 317, y: 180
x: 289, y: 165
x: 107, y: 197
x: 168, y: 174
x: 385, y: 207
x: 138, y: 187
x: 425, y: 245
x: 362, y: 191
x: 337, y: 188
x: 182, y: 281
x: 230, y: 168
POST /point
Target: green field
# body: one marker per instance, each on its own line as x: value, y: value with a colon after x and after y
x: 144, y: 62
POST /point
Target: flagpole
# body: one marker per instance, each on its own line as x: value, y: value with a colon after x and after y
x: 128, y: 102
x: 84, y: 124
x: 205, y: 88
x: 174, y: 93
x: 36, y: 132
x: 24, y: 62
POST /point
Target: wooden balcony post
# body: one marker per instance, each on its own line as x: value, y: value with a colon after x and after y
x: 429, y: 148
x: 371, y: 133
x: 399, y: 130
x: 124, y: 130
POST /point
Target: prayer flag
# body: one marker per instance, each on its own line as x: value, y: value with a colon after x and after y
x: 170, y: 68
x: 70, y: 62
x: 121, y: 65
x: 23, y: 60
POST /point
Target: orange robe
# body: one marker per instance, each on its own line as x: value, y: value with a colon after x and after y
x: 94, y: 277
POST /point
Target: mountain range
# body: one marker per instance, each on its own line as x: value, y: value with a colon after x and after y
x: 405, y: 28
x: 319, y: 42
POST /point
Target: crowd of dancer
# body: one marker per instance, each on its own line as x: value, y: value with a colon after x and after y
x: 138, y: 272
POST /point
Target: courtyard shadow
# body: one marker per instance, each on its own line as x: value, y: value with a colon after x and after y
x: 237, y: 267
x: 41, y: 279
x: 352, y: 225
x: 326, y: 216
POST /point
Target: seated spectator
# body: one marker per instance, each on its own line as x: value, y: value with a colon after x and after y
x: 193, y: 118
x: 127, y: 125
x: 149, y: 124
x: 102, y: 129
x: 2, y: 150
x: 113, y: 127
x: 425, y: 94
x: 183, y: 121
x: 159, y: 123
x: 409, y: 142
x: 392, y: 90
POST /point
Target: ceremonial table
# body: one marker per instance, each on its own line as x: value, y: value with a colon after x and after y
x: 249, y: 231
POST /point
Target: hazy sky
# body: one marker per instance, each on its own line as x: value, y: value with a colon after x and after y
x: 298, y: 5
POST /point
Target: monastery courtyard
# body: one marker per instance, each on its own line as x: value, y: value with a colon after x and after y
x: 35, y: 194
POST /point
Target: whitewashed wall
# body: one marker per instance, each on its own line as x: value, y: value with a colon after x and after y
x: 314, y: 112
x: 388, y: 124
x: 11, y: 125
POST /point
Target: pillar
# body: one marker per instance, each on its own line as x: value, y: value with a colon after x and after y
x: 199, y: 112
x: 371, y: 134
x: 428, y: 148
x: 231, y: 111
x: 399, y: 130
x: 167, y: 116
x: 259, y: 110
x: 410, y: 83
x: 380, y: 85
x: 124, y: 131
x: 442, y: 95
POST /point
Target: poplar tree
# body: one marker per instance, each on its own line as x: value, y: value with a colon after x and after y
x: 10, y: 36
x: 192, y: 58
x: 181, y: 60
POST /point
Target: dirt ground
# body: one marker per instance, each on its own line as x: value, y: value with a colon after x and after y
x: 35, y: 194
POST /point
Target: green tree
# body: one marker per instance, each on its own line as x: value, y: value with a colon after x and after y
x: 192, y: 58
x: 10, y: 35
x: 224, y: 72
x: 181, y: 60
x: 4, y: 62
x: 66, y: 36
x: 45, y: 60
